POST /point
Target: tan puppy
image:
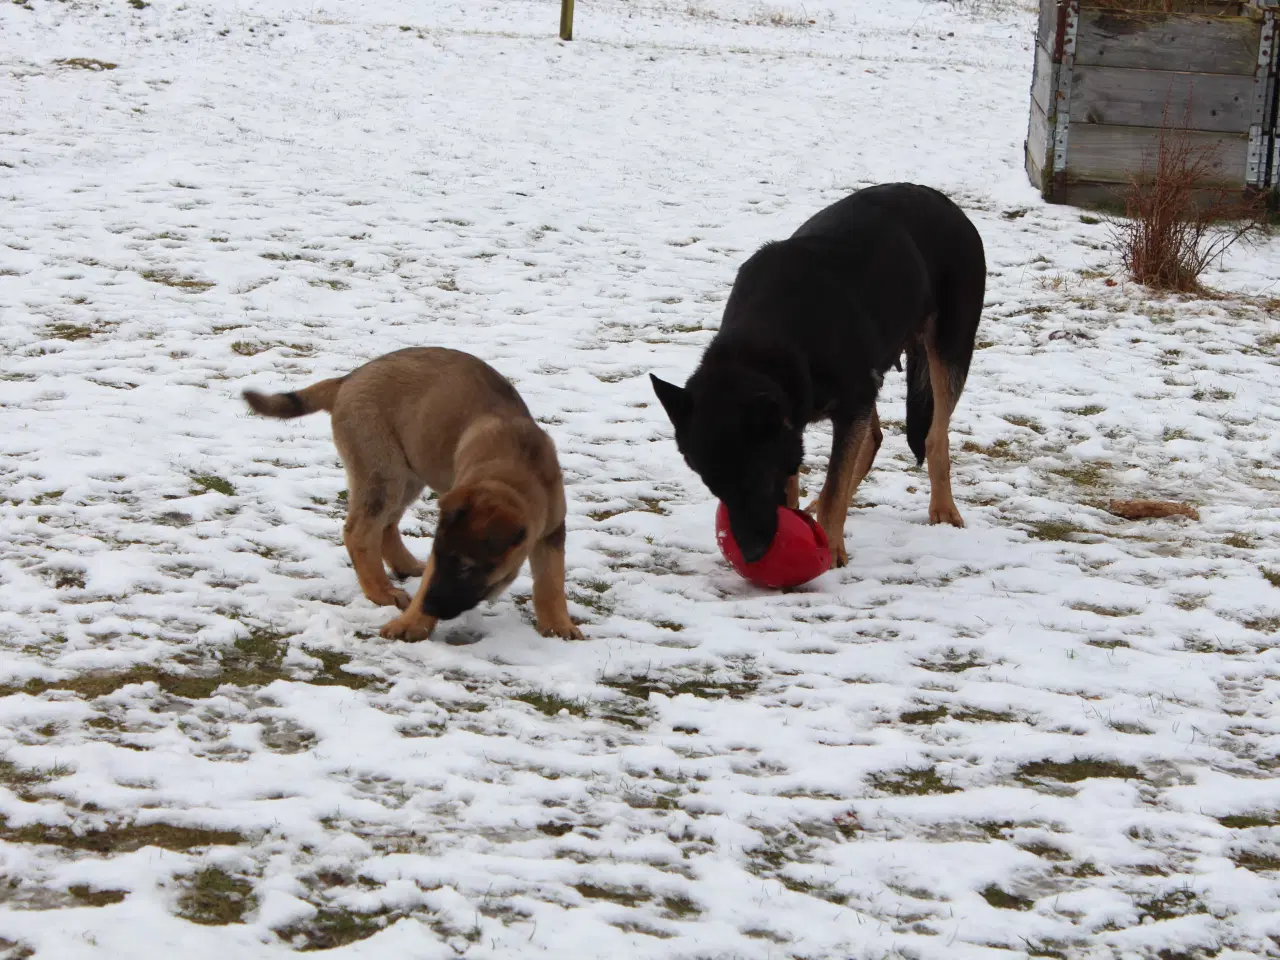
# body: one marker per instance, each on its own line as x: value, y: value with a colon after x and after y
x: 431, y: 417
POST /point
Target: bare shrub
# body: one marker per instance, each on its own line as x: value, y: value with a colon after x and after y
x: 1176, y: 225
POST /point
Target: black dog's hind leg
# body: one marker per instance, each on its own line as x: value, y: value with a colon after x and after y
x: 948, y: 347
x: 853, y: 449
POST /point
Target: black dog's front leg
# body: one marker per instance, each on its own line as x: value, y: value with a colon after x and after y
x: 854, y: 443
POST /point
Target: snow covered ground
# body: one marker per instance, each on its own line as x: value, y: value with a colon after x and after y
x: 1053, y: 733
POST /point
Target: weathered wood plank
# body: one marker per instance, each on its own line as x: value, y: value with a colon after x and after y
x: 1122, y: 96
x: 1039, y: 148
x: 1157, y: 42
x: 1113, y: 154
x: 1111, y: 196
x: 1043, y: 79
x: 1046, y: 30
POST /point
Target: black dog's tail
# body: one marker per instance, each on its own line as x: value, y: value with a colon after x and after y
x: 919, y: 401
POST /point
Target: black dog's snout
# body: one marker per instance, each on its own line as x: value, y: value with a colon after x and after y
x: 753, y: 534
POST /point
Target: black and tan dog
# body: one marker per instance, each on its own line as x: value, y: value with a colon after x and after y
x: 431, y: 417
x: 811, y: 326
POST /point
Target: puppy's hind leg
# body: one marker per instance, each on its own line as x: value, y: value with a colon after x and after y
x: 550, y: 607
x: 368, y: 510
x: 403, y: 564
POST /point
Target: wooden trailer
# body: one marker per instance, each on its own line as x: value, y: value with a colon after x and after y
x: 1105, y: 70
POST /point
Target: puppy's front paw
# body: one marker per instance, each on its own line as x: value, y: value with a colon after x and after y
x: 565, y: 629
x: 409, y: 628
x: 839, y: 555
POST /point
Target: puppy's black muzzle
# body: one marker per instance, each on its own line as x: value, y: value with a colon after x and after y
x: 452, y: 593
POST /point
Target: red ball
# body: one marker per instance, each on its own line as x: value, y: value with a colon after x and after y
x: 799, y: 551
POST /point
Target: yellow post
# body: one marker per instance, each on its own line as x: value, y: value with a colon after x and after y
x: 566, y: 19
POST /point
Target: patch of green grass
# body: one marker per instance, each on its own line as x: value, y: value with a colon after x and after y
x: 677, y: 627
x: 214, y: 897
x: 1029, y: 422
x: 929, y: 715
x: 250, y: 348
x: 1239, y: 540
x: 983, y: 716
x: 624, y: 896
x: 119, y: 838
x: 1047, y: 851
x: 1256, y: 861
x: 1086, y: 474
x: 1016, y: 214
x: 1090, y: 220
x: 69, y: 580
x: 86, y: 63
x: 999, y: 450
x: 1054, y: 530
x: 555, y: 829
x: 918, y: 782
x: 171, y: 279
x: 1173, y: 433
x: 254, y: 661
x: 1268, y: 625
x: 705, y: 688
x: 1246, y: 821
x: 69, y: 331
x: 335, y: 672
x: 1271, y: 576
x: 334, y: 927
x: 288, y: 257
x: 1003, y: 900
x: 953, y: 661
x: 1217, y: 393
x: 1104, y: 611
x: 550, y: 704
x: 1077, y: 769
x: 209, y: 481
x: 1108, y: 644
x: 22, y: 780
x: 822, y: 891
x: 1091, y: 410
x: 1175, y: 903
x: 90, y: 897
x: 331, y: 284
x: 680, y: 908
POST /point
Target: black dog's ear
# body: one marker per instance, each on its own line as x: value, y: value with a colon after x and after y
x: 677, y: 401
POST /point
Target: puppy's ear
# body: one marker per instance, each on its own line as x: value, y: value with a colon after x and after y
x: 453, y: 514
x: 677, y: 401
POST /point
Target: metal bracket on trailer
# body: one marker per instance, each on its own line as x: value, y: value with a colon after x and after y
x: 1065, y: 56
x: 1258, y: 166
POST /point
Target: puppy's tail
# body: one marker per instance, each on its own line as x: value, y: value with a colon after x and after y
x: 919, y: 402
x: 296, y: 403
